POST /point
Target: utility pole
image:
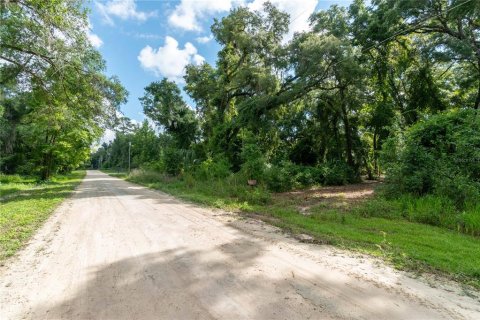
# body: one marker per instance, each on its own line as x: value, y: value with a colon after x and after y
x: 129, y: 147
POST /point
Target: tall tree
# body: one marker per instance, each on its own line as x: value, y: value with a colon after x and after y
x: 164, y: 104
x: 58, y: 99
x: 453, y: 27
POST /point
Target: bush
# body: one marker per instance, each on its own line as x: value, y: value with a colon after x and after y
x: 306, y: 176
x: 287, y: 176
x: 441, y: 156
x: 213, y: 169
x: 337, y: 173
x: 172, y: 161
x: 280, y: 178
x: 146, y: 176
x: 253, y: 161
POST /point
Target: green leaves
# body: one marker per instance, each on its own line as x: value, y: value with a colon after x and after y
x: 58, y: 101
x: 441, y: 155
x: 163, y: 104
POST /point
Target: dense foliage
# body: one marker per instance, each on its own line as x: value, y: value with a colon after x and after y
x: 320, y: 108
x: 380, y: 88
x: 440, y: 156
x: 54, y: 99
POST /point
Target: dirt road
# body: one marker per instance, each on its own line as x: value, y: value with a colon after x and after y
x: 119, y: 251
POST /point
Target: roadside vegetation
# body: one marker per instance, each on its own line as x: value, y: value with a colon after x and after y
x: 386, y: 91
x: 352, y: 217
x: 55, y: 100
x: 26, y: 202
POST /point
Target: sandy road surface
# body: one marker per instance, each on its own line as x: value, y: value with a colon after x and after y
x: 119, y: 251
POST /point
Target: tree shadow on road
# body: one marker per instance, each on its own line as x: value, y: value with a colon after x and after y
x: 224, y: 282
x: 175, y: 284
x: 237, y: 277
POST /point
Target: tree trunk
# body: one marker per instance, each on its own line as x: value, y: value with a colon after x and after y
x: 375, y: 154
x: 348, y: 137
x: 47, y: 160
x: 47, y: 166
x: 477, y: 100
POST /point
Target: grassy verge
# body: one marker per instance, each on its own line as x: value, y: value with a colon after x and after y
x: 26, y: 204
x: 375, y: 226
x: 116, y: 173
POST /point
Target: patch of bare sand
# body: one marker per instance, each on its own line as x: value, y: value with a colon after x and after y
x: 335, y: 197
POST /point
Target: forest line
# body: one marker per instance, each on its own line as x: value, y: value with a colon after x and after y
x: 387, y: 88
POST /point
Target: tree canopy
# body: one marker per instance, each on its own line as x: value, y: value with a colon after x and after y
x: 55, y: 99
x: 331, y: 96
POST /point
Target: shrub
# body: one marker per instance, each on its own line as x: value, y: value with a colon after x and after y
x: 213, y: 168
x: 145, y: 176
x: 172, y: 161
x: 258, y: 195
x: 457, y: 187
x: 441, y: 156
x: 280, y: 178
x: 306, y: 176
x: 253, y: 161
x: 286, y: 176
x: 337, y: 173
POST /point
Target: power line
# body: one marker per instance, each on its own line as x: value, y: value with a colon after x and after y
x: 301, y: 13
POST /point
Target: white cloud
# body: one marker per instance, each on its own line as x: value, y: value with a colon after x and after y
x: 204, y: 39
x: 135, y: 122
x: 108, y: 136
x: 123, y: 9
x: 188, y: 12
x: 198, y: 59
x: 169, y: 61
x: 299, y: 11
x: 94, y: 39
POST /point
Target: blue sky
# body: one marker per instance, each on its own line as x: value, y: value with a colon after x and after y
x: 145, y: 40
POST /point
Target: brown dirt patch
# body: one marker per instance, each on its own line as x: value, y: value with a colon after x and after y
x: 331, y: 197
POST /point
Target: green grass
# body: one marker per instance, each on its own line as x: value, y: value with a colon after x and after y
x: 430, y: 209
x: 381, y: 227
x: 116, y: 173
x: 25, y: 204
x: 407, y: 245
x: 230, y: 193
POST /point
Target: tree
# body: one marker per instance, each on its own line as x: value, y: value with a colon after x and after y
x: 57, y: 99
x: 329, y: 98
x: 453, y: 27
x: 163, y: 104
